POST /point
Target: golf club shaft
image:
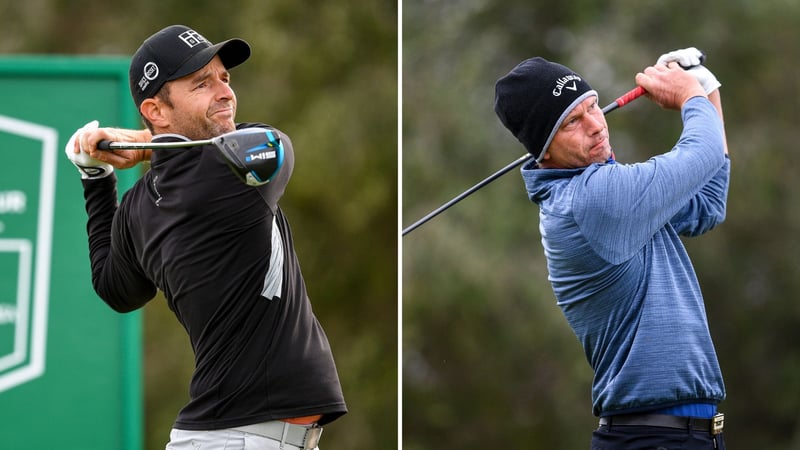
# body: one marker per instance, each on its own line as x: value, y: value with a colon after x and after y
x: 109, y: 145
x: 619, y: 102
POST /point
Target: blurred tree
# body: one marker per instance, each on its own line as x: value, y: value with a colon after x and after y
x: 488, y: 360
x: 326, y: 73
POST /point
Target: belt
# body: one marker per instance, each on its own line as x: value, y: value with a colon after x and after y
x: 713, y: 425
x: 306, y: 438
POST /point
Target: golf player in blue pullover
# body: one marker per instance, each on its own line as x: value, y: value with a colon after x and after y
x: 611, y: 236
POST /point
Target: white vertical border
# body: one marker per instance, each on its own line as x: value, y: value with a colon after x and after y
x: 43, y: 247
x: 399, y: 224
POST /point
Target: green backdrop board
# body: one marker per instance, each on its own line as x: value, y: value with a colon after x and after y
x: 69, y: 365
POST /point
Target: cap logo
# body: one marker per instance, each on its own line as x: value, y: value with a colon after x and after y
x: 151, y: 71
x: 192, y: 38
x: 150, y: 74
x: 561, y: 84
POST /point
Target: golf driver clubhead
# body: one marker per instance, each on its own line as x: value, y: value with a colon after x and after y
x: 254, y: 154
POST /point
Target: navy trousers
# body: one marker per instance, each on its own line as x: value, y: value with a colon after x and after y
x: 619, y: 437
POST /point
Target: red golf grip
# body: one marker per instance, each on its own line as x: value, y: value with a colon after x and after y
x: 623, y: 100
x: 633, y: 94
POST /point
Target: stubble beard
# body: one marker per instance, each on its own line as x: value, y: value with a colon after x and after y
x: 206, y: 127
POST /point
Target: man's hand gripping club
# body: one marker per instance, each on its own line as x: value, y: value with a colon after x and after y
x: 89, y: 167
x: 691, y: 59
x: 676, y: 77
x: 83, y: 152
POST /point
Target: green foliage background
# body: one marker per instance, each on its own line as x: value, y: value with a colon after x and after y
x: 488, y: 359
x: 325, y: 72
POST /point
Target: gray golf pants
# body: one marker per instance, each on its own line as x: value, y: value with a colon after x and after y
x: 225, y: 439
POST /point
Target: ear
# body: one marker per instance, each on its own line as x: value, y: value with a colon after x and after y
x: 155, y: 111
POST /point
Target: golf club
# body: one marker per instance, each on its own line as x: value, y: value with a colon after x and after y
x: 619, y: 102
x: 254, y: 154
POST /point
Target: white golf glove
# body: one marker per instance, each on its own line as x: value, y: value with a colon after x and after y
x: 686, y: 57
x: 691, y: 60
x: 88, y: 167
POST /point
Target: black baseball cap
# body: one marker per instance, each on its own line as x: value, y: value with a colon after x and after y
x: 174, y: 52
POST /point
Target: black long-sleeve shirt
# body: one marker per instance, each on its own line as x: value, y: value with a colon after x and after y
x: 223, y: 255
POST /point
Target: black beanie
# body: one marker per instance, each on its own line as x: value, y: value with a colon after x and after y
x: 534, y: 98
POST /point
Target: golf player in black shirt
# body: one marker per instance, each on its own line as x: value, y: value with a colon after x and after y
x: 220, y: 250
